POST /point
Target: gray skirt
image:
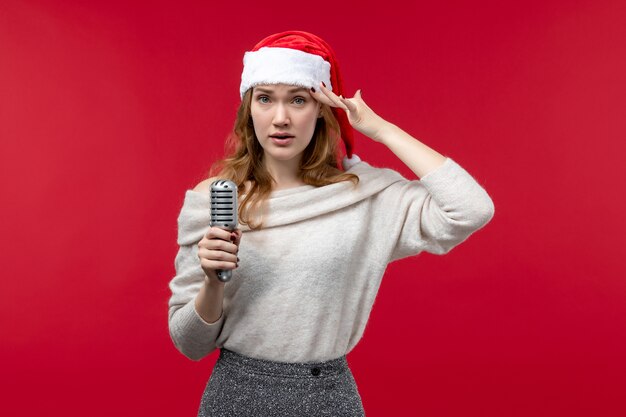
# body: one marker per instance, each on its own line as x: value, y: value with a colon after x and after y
x: 244, y: 386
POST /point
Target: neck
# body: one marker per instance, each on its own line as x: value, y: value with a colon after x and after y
x: 285, y: 173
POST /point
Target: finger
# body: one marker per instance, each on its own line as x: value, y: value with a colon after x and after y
x: 220, y: 256
x: 235, y: 236
x: 218, y: 233
x: 358, y: 96
x: 350, y: 105
x: 215, y: 265
x: 319, y: 96
x: 218, y: 245
x: 329, y: 94
x: 217, y: 260
x: 333, y: 97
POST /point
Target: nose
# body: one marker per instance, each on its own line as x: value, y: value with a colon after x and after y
x: 281, y: 116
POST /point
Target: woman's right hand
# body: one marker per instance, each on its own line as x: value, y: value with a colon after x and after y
x: 218, y: 250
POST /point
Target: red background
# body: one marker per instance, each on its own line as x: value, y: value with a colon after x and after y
x: 109, y: 111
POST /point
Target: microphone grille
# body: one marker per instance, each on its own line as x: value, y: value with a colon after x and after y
x: 224, y: 204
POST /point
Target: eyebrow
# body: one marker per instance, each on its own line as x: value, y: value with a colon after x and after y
x: 291, y: 90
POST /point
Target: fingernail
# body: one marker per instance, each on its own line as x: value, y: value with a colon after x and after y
x: 323, y: 84
x: 238, y: 259
x: 312, y: 89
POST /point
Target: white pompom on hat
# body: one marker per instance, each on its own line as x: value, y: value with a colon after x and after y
x: 297, y: 58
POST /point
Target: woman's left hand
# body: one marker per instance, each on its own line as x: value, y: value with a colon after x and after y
x: 360, y: 116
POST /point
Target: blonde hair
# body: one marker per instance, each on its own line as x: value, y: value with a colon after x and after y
x: 318, y: 166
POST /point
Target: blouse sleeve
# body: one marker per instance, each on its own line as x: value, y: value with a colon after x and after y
x: 192, y: 336
x: 437, y: 212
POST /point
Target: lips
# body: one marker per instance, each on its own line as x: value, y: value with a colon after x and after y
x: 282, y: 138
x: 282, y: 141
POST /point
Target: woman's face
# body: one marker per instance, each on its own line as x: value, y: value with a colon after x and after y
x: 283, y: 110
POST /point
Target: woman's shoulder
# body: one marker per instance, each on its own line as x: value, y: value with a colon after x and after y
x: 204, y: 186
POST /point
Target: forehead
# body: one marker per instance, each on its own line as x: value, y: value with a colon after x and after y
x: 279, y: 88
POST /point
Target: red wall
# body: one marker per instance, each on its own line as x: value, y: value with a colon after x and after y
x: 110, y: 111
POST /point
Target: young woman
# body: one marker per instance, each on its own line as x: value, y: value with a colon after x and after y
x: 316, y: 234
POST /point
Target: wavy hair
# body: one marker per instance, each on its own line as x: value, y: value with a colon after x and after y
x: 244, y: 161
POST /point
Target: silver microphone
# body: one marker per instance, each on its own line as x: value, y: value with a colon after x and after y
x: 224, y: 213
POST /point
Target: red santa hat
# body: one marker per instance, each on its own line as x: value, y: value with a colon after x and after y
x: 297, y: 58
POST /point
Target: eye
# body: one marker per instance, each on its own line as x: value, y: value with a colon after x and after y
x: 260, y: 98
x: 300, y: 98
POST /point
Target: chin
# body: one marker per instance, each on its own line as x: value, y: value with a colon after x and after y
x: 285, y: 156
